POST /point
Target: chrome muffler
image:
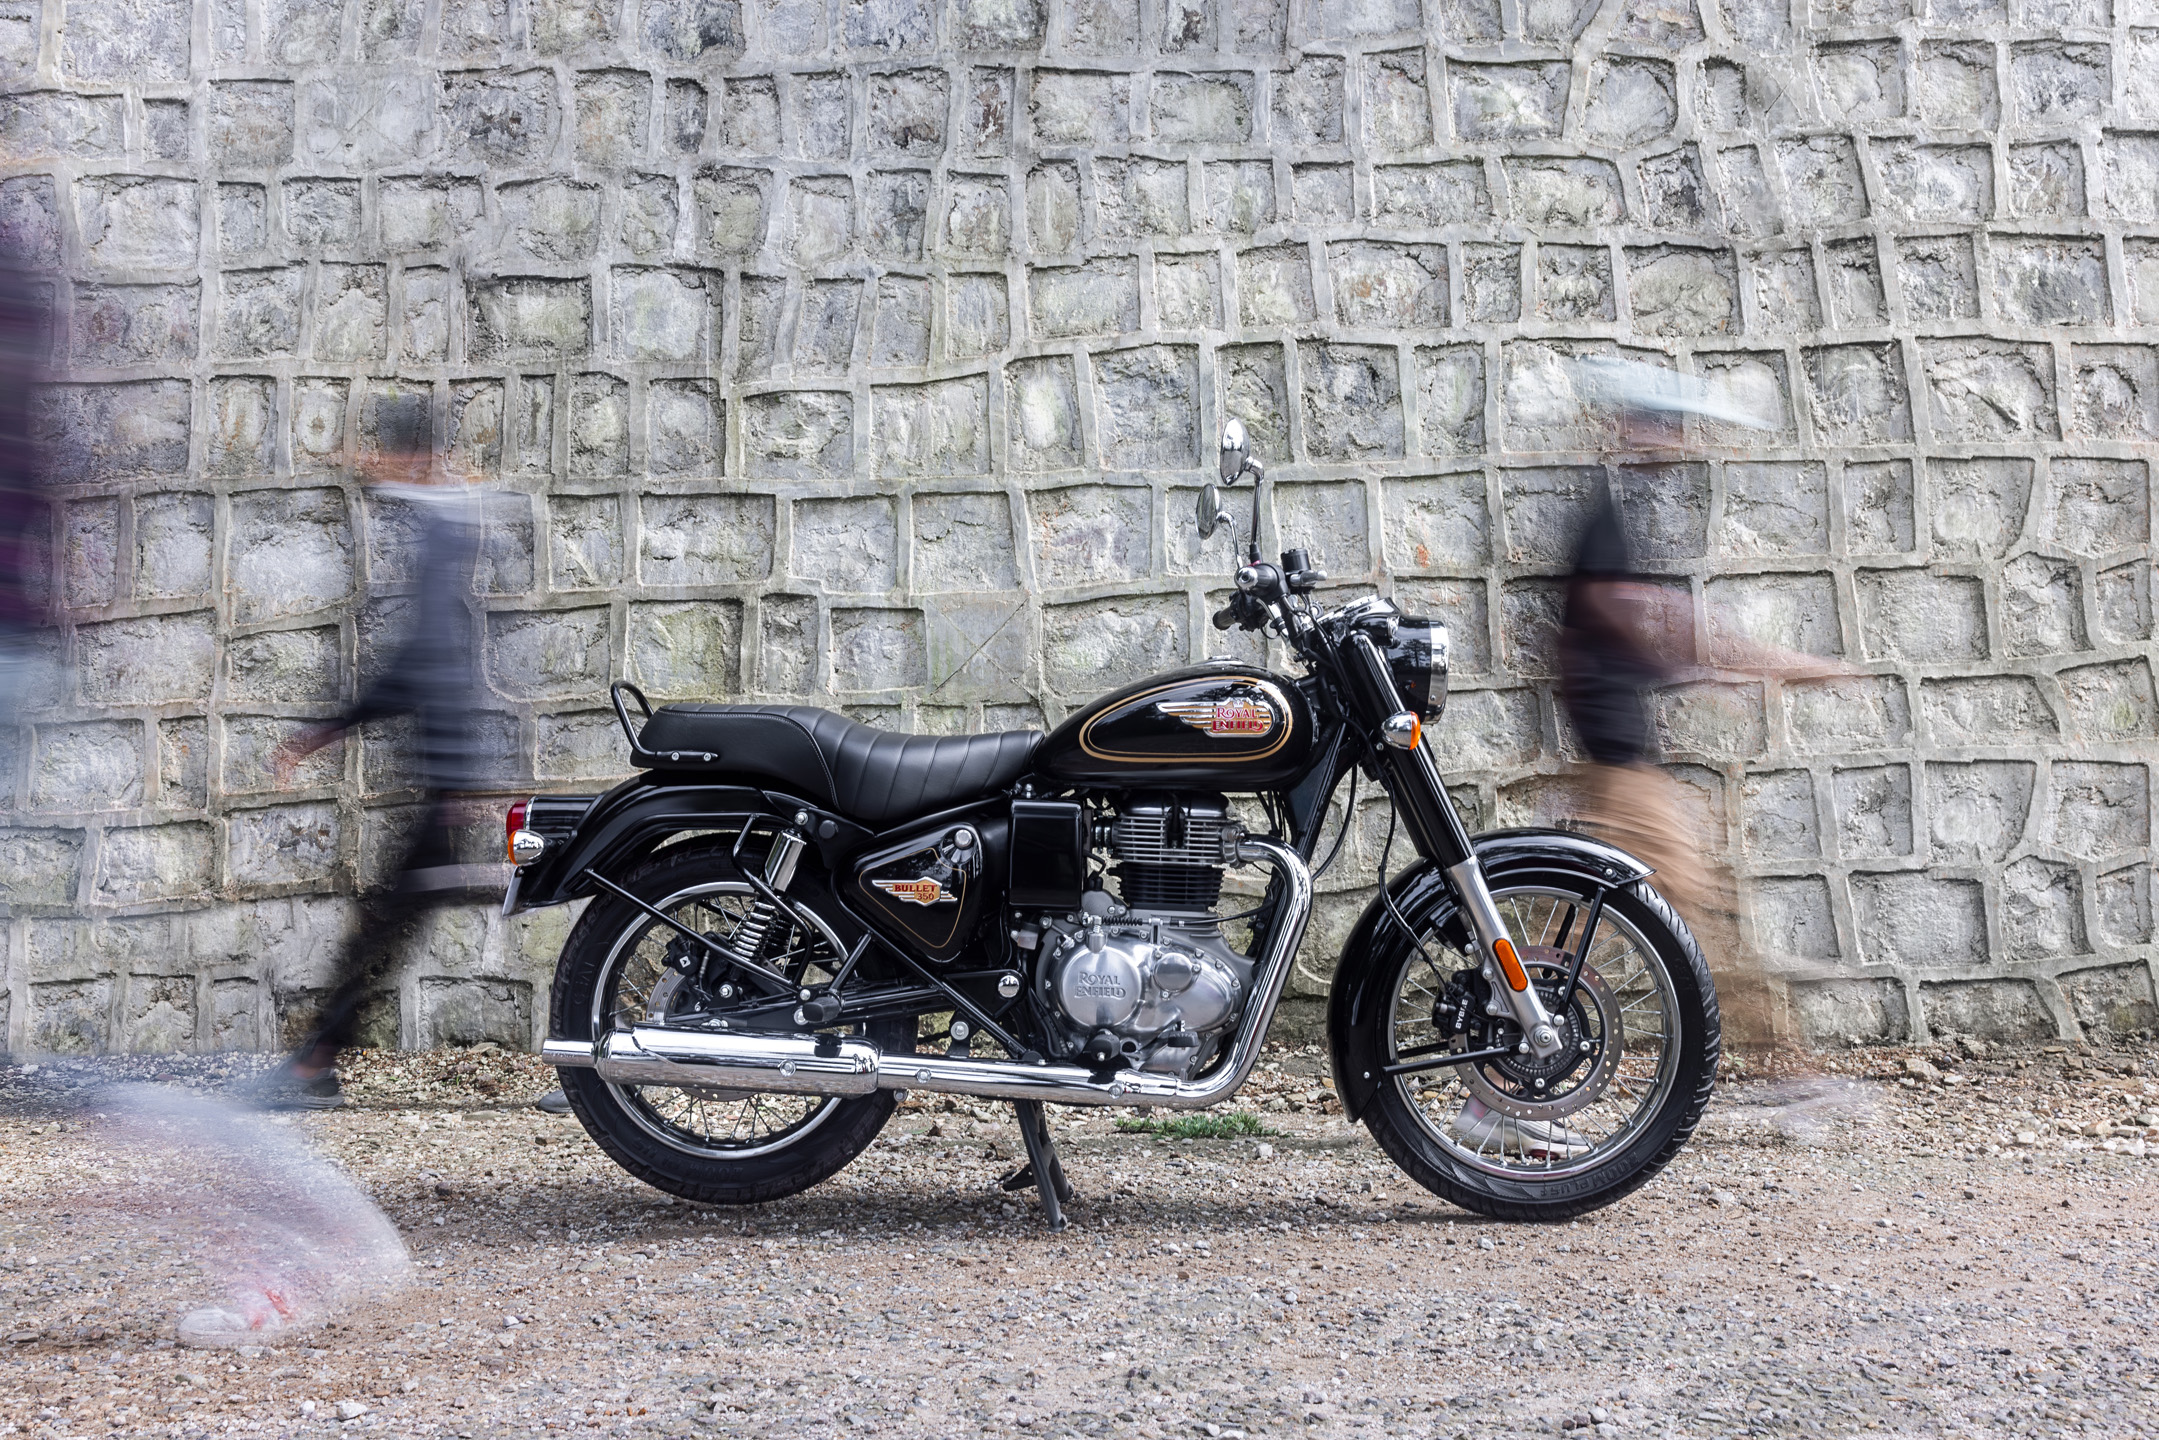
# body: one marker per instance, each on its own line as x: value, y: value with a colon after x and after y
x: 831, y: 1065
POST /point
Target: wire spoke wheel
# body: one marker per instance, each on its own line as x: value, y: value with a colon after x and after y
x: 1517, y: 1117
x: 638, y: 985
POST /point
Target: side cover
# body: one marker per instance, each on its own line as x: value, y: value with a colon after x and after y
x: 1223, y: 726
x: 934, y: 885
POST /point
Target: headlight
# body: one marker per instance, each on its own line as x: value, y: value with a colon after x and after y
x: 1417, y: 658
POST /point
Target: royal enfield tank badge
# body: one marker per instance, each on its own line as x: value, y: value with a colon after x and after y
x: 923, y: 892
x: 1239, y: 716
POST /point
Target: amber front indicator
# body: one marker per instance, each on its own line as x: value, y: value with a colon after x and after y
x: 1511, y: 963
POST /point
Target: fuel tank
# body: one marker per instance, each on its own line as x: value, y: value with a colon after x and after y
x: 1222, y: 725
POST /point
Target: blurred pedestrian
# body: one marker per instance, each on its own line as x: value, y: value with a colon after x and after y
x: 25, y: 514
x: 432, y: 676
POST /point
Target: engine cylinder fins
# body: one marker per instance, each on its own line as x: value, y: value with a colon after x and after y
x: 1191, y: 888
x: 1165, y: 828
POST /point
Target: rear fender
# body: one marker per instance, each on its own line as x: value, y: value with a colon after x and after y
x: 639, y: 816
x: 1427, y: 901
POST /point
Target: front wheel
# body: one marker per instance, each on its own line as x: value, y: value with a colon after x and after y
x: 722, y: 1147
x: 1521, y: 1139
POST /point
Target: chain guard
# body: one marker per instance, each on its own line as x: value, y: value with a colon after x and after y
x: 1507, y: 1085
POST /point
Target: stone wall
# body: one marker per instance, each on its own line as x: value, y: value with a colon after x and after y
x: 866, y: 350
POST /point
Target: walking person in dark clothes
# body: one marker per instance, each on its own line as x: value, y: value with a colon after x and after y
x: 25, y: 514
x: 434, y: 677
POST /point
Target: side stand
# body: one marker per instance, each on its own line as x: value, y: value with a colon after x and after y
x: 1041, y: 1170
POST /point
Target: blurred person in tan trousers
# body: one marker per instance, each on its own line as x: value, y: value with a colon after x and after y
x: 433, y: 676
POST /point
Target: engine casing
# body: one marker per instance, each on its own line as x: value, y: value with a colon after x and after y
x: 1168, y: 988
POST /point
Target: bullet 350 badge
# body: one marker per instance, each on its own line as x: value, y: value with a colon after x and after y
x: 924, y: 891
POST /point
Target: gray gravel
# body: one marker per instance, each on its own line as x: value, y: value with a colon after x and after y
x: 1874, y: 1249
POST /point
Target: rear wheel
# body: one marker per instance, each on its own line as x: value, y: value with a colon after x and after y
x: 1521, y: 1139
x: 723, y: 1147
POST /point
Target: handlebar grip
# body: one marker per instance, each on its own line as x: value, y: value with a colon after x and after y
x: 1225, y: 618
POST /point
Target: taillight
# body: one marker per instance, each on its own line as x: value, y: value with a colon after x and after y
x: 513, y: 825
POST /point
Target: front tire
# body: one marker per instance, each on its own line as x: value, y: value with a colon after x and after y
x: 1484, y: 1135
x: 719, y: 1147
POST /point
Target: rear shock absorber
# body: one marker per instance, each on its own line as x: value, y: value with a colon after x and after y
x: 748, y: 941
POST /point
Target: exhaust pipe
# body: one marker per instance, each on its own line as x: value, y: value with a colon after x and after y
x: 830, y: 1065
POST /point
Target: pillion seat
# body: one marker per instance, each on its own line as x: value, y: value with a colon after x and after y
x: 870, y: 775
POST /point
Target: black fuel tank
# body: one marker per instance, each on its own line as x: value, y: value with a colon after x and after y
x: 1222, y: 725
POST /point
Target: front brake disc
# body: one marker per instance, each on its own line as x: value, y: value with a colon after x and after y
x: 1509, y: 1085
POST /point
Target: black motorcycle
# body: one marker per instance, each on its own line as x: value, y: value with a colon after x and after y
x: 795, y: 918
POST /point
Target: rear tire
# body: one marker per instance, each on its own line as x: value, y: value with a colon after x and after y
x: 716, y: 1147
x: 1434, y: 1123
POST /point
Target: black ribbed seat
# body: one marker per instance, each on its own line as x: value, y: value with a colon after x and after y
x: 871, y: 775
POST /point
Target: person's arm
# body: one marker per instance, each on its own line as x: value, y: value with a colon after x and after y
x: 388, y: 694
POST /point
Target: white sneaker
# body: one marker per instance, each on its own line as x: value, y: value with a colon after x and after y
x: 1480, y: 1128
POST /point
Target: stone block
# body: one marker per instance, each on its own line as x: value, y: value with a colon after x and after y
x: 907, y: 110
x: 150, y: 863
x: 548, y: 222
x: 2098, y: 809
x: 1053, y: 208
x: 582, y: 745
x: 284, y: 845
x: 705, y: 539
x: 476, y: 1011
x: 935, y: 429
x: 1675, y: 291
x: 88, y: 765
x: 1463, y: 607
x: 1416, y: 197
x: 1529, y: 624
x: 662, y: 314
x: 2046, y: 181
x: 888, y: 26
x: 1937, y: 184
x: 426, y: 212
x: 1793, y: 920
x: 1148, y: 407
x: 2112, y: 1002
x: 551, y: 654
x: 1323, y: 194
x: 1137, y: 197
x: 1789, y: 612
x: 1359, y: 18
x: 1987, y: 710
x: 1786, y: 299
x: 1352, y: 401
x: 978, y: 648
x: 1879, y: 513
x: 689, y: 651
x: 284, y: 667
x: 1574, y: 194
x: 1099, y: 298
x: 1043, y: 422
x: 2053, y: 82
x: 2116, y: 393
x: 878, y: 649
x: 2042, y: 606
x: 1848, y: 714
x: 687, y: 428
x: 46, y: 124
x: 2042, y: 911
x: 900, y: 331
x: 2123, y: 605
x: 183, y: 771
x: 1821, y: 175
x: 71, y: 1017
x: 2098, y: 507
x: 1979, y: 504
x: 1544, y: 510
x: 986, y: 112
x: 790, y: 647
x: 127, y: 41
x: 1080, y: 107
x: 896, y: 213
x: 1385, y: 286
x: 821, y: 219
x: 1574, y: 282
x: 1507, y: 102
x: 131, y: 222
x: 1980, y: 390
x: 1238, y: 196
x: 1712, y: 720
x: 684, y: 115
x: 1309, y: 102
x: 2001, y: 1010
x: 1922, y: 616
x: 2109, y: 703
x: 1861, y: 82
x: 830, y: 321
x: 728, y: 211
x: 1490, y: 729
x: 1274, y: 286
x: 999, y: 24
x: 2050, y: 281
x: 291, y: 553
x: 30, y: 219
x: 150, y: 661
x: 977, y: 217
x: 1856, y: 394
x: 851, y: 546
x: 1329, y: 521
x: 562, y: 27
x: 1874, y: 812
x: 1871, y: 1012
x: 349, y: 312
x: 1539, y: 409
x: 1397, y: 105
x: 1914, y: 918
x: 964, y: 542
x: 2123, y: 904
x: 1856, y: 296
x: 1778, y: 818
x: 1675, y: 193
x: 1632, y: 101
x: 1938, y: 278
x: 584, y: 541
x: 614, y: 116
x: 1097, y: 645
x: 259, y: 313
x: 528, y: 317
x: 1201, y: 109
x: 1188, y: 292
x: 1091, y: 534
x: 978, y: 315
x: 39, y: 867
x: 90, y: 552
x: 799, y: 435
x: 1748, y: 199
x: 501, y: 118
x: 1775, y: 508
x: 1450, y: 400
x: 251, y: 122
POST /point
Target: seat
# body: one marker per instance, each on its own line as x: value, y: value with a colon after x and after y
x: 870, y: 775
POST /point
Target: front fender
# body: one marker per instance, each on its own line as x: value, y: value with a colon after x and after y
x: 638, y: 816
x: 1427, y: 901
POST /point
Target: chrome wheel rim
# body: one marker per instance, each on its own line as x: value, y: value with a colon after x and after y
x: 700, y: 1120
x: 1521, y: 1145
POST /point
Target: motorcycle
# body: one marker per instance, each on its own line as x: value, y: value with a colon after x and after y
x: 795, y: 919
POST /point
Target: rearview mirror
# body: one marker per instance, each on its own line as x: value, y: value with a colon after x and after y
x: 1236, y: 450
x: 1212, y: 515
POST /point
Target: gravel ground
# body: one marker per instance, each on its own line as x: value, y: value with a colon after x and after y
x: 1905, y: 1242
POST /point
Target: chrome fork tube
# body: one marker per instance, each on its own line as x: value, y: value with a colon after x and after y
x: 1539, y: 1035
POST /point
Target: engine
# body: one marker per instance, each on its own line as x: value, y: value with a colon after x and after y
x: 1146, y: 978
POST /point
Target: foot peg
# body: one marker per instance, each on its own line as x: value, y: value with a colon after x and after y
x: 1041, y: 1162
